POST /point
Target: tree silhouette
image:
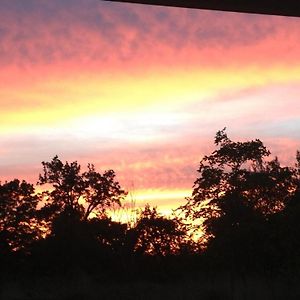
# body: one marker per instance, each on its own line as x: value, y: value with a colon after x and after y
x: 249, y: 205
x: 236, y: 194
x: 285, y: 228
x: 18, y: 219
x: 158, y: 235
x: 75, y: 209
x: 237, y: 185
x: 82, y: 194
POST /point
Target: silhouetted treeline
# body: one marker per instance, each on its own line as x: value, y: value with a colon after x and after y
x: 246, y: 204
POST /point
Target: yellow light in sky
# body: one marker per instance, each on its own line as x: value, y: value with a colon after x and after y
x: 53, y: 101
x: 165, y: 199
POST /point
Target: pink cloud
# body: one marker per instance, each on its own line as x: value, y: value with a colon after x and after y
x: 94, y: 33
x: 285, y: 148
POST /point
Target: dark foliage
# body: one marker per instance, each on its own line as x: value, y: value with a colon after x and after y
x: 18, y: 216
x: 157, y: 235
x: 71, y: 189
x: 246, y: 204
x: 242, y: 196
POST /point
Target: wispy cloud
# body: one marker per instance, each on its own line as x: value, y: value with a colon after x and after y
x: 141, y: 89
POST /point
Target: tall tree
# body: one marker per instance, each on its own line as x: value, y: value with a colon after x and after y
x: 18, y: 219
x: 237, y: 185
x: 76, y: 205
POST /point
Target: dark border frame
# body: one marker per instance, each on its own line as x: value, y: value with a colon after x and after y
x: 269, y: 7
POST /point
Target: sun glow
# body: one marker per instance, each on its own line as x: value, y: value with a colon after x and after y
x: 166, y: 202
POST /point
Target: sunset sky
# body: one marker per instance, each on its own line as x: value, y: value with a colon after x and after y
x: 142, y: 90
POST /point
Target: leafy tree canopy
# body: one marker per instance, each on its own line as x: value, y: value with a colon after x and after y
x: 18, y: 219
x: 159, y: 235
x: 81, y: 193
x: 236, y: 185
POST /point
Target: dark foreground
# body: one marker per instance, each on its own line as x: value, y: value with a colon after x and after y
x: 82, y: 286
x: 52, y: 248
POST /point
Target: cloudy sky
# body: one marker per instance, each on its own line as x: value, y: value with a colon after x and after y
x: 142, y: 89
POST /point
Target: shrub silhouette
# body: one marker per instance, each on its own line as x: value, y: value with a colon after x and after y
x: 157, y: 235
